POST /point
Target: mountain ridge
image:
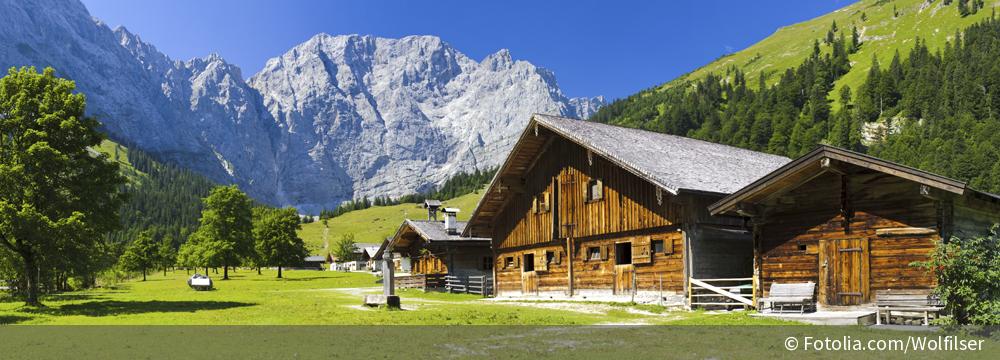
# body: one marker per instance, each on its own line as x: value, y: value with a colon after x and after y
x: 360, y: 131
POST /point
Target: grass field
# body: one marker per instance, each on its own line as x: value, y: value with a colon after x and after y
x: 374, y: 224
x: 319, y: 298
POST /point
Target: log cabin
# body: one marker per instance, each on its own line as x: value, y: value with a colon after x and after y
x: 853, y: 224
x: 588, y: 210
x: 435, y: 249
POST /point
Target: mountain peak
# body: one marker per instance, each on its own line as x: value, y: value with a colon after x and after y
x: 498, y: 60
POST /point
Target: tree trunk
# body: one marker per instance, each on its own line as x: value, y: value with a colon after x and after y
x: 279, y: 272
x: 164, y: 271
x: 225, y: 272
x: 31, y: 278
x: 258, y: 270
x: 206, y: 271
x: 143, y: 274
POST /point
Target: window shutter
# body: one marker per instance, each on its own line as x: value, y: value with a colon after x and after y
x: 540, y: 263
x: 598, y: 189
x: 534, y: 205
x: 668, y: 245
x: 547, y: 204
x: 517, y: 261
x: 641, y: 252
x: 558, y: 259
x: 604, y: 252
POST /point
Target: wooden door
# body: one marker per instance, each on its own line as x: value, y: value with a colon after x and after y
x: 623, y: 279
x: 846, y: 279
x: 529, y: 282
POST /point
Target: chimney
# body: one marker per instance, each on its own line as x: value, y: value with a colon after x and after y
x: 451, y: 221
x: 432, y: 208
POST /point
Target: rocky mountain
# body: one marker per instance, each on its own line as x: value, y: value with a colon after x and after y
x: 334, y: 118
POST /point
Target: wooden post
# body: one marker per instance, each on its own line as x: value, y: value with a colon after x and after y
x: 388, y: 285
x: 569, y: 264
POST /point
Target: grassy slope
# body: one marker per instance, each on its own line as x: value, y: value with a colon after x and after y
x: 882, y: 35
x: 374, y: 224
x: 303, y: 297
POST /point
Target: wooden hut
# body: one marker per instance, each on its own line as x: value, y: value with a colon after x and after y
x: 585, y: 209
x: 853, y: 224
x: 436, y: 249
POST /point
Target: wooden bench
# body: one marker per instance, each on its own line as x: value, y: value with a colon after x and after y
x: 907, y: 302
x: 794, y: 294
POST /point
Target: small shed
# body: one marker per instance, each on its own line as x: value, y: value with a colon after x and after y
x: 853, y: 224
x: 436, y: 249
x: 316, y: 262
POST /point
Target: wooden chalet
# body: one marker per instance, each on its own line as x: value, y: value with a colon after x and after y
x: 585, y: 209
x: 436, y: 249
x: 853, y: 224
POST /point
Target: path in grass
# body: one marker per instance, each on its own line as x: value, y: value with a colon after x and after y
x: 315, y: 298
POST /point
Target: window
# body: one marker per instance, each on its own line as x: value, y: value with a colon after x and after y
x: 802, y: 247
x: 550, y: 257
x: 508, y: 262
x: 540, y: 204
x: 657, y: 246
x: 593, y: 253
x: 595, y: 190
x: 488, y: 263
x: 623, y: 253
x: 529, y: 262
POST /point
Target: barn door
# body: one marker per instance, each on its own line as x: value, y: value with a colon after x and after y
x: 846, y: 263
x: 624, y: 268
x: 529, y: 282
x: 623, y: 279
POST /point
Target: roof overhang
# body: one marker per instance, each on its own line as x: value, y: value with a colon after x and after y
x: 533, y: 143
x: 822, y: 160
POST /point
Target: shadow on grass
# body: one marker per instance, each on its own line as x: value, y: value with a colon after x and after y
x: 112, y: 307
x: 12, y: 319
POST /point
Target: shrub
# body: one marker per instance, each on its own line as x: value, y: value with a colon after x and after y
x: 968, y: 276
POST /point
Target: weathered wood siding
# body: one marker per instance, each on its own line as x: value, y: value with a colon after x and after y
x: 800, y: 230
x: 563, y: 171
x: 595, y: 274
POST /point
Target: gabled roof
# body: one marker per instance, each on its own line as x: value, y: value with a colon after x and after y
x: 674, y: 163
x: 810, y: 165
x: 430, y: 231
x: 315, y: 258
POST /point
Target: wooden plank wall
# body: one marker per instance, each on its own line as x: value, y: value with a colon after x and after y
x: 629, y: 203
x: 597, y: 274
x: 974, y: 217
x: 811, y: 213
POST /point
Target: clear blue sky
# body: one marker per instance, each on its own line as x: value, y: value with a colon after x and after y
x: 611, y: 48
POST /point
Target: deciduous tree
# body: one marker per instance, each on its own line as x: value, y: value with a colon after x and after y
x: 57, y: 196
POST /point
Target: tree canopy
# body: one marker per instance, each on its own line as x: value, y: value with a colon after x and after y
x: 225, y: 234
x: 276, y: 239
x: 58, y: 197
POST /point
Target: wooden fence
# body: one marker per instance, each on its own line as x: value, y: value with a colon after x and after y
x: 422, y: 281
x: 726, y: 293
x: 479, y: 285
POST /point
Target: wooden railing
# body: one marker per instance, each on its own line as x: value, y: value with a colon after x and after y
x: 479, y: 285
x: 421, y: 281
x: 728, y: 292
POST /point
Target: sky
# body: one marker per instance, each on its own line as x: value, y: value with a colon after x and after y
x: 610, y: 48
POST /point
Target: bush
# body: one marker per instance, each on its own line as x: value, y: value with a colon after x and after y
x: 968, y: 276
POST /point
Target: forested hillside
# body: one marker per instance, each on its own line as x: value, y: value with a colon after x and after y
x: 163, y: 198
x: 928, y: 107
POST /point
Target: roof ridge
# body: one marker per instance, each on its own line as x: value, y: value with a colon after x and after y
x: 657, y: 133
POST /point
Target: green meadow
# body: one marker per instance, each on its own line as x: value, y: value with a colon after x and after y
x: 309, y: 297
x: 374, y: 224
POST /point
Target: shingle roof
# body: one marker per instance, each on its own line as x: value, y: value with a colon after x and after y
x: 672, y: 162
x: 434, y: 231
x: 315, y: 258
